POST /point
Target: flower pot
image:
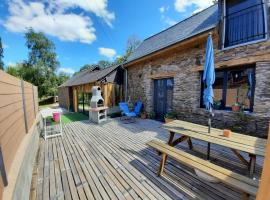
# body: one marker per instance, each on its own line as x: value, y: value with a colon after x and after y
x: 236, y: 108
x: 56, y: 117
x: 168, y: 120
x: 143, y: 116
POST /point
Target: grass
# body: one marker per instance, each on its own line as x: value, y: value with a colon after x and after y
x: 71, y: 117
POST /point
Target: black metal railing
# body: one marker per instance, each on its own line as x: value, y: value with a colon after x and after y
x: 245, y: 26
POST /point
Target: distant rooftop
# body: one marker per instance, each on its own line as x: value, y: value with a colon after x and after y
x: 192, y: 26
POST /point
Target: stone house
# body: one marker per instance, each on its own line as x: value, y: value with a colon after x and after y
x: 165, y: 71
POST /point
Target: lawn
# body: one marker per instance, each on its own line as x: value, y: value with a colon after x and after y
x: 71, y: 117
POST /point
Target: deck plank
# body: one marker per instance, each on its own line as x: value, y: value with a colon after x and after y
x: 112, y: 161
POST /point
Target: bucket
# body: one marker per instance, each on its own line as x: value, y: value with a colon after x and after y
x: 56, y: 117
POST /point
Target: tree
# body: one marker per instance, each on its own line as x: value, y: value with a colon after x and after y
x: 42, y: 62
x: 132, y: 43
x: 1, y: 55
x: 41, y: 50
x: 14, y: 70
x: 62, y: 77
x: 104, y: 64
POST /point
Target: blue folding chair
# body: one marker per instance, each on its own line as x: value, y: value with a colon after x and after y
x: 138, y: 108
x: 127, y: 114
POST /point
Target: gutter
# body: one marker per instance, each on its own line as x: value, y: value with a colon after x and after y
x: 126, y: 81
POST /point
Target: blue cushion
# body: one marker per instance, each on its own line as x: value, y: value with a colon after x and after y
x: 130, y: 114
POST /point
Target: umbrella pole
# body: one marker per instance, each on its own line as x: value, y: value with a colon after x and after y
x: 209, y: 145
x: 209, y: 131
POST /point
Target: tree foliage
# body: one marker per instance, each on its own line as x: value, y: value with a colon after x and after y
x: 41, y: 50
x: 42, y: 63
x: 62, y: 77
x: 1, y: 55
x: 40, y: 68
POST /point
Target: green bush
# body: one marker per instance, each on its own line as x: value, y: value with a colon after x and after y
x: 171, y: 115
x: 152, y: 115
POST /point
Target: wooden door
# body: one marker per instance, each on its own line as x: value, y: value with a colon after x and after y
x: 163, y: 97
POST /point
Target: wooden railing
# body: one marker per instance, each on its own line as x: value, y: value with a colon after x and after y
x: 18, y: 110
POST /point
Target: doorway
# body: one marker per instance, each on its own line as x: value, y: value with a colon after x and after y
x: 163, y: 97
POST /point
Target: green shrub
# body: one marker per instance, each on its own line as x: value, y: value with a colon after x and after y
x: 171, y: 115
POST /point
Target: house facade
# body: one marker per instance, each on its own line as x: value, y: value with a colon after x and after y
x: 165, y: 71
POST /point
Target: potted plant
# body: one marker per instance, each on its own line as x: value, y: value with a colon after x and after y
x: 236, y: 107
x: 217, y: 104
x: 152, y: 115
x: 170, y: 116
x: 143, y: 115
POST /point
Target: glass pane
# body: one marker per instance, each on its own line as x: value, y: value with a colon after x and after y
x: 80, y: 102
x: 244, y: 21
x: 239, y: 88
x: 218, y: 88
x: 87, y: 97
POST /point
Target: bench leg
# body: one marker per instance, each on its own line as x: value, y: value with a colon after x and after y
x: 162, y: 163
x: 245, y: 196
x: 252, y: 164
x: 190, y: 143
x: 170, y: 141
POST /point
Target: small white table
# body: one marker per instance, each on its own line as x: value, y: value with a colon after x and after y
x: 48, y: 112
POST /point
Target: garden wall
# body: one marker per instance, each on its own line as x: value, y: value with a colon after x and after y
x: 18, y: 110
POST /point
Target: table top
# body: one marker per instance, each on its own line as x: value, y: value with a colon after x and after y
x: 48, y: 112
x: 237, y: 141
x: 98, y: 108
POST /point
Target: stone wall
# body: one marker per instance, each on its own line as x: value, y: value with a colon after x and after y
x: 187, y: 86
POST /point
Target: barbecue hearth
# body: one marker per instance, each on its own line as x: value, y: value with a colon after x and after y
x: 97, y: 111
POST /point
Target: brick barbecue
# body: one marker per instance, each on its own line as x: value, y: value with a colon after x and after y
x: 97, y: 111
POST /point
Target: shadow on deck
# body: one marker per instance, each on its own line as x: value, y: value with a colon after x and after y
x: 112, y: 161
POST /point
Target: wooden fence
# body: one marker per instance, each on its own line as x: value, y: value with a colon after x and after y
x: 18, y: 110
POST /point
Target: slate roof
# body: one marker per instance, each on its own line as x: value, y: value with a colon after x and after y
x: 89, y: 76
x: 192, y: 26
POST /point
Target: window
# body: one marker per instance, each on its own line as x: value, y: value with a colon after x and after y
x: 244, y: 22
x: 233, y: 87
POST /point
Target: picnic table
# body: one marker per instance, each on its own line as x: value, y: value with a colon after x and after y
x: 236, y: 142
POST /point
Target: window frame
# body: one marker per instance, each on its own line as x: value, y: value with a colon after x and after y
x: 245, y: 43
x: 225, y: 86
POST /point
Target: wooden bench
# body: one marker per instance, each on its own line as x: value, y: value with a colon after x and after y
x: 247, y: 185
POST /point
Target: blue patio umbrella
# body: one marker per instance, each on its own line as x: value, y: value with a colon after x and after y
x: 209, y: 80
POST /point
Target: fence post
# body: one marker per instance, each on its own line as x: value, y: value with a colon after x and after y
x: 3, y: 169
x: 24, y: 107
x: 34, y: 102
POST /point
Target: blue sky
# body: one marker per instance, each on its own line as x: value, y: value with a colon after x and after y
x: 86, y: 31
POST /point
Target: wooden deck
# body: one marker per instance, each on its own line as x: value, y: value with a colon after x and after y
x: 112, y: 161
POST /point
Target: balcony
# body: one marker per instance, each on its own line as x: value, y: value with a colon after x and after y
x: 245, y: 25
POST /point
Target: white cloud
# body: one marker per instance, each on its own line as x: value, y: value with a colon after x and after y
x: 109, y: 53
x: 5, y: 46
x: 170, y: 21
x: 11, y: 64
x: 55, y: 18
x: 182, y: 5
x: 98, y: 7
x: 66, y: 70
x: 163, y: 9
